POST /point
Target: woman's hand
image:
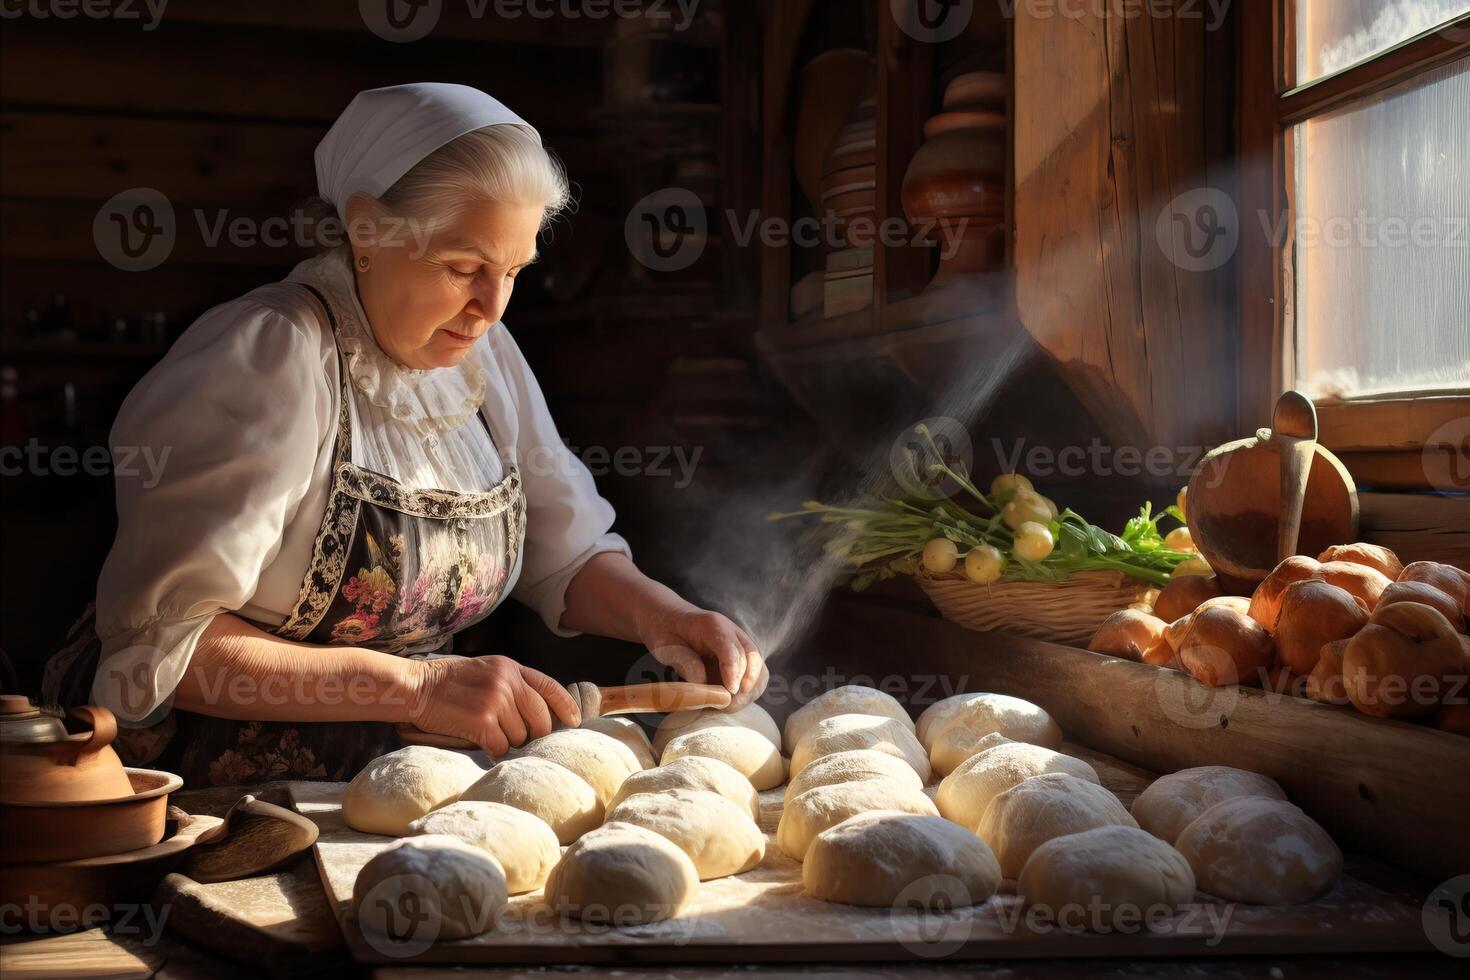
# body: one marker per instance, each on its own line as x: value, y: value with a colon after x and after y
x: 491, y: 701
x: 704, y: 647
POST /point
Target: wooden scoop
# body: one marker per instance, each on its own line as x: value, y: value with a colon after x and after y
x: 597, y: 702
x: 1294, y: 427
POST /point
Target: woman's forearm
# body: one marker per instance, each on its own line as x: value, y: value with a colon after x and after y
x: 241, y: 672
x: 609, y: 596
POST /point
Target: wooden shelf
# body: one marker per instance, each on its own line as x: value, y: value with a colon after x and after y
x: 81, y: 349
x: 977, y: 301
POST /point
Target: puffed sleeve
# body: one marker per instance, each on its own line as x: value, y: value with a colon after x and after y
x: 567, y: 520
x: 213, y: 450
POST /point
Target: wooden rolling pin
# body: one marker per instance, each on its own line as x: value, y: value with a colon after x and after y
x: 595, y: 702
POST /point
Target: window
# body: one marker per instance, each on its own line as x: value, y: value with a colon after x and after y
x: 1355, y: 156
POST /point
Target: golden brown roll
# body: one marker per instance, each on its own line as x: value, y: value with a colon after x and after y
x: 1360, y: 580
x: 1266, y: 600
x: 1324, y: 683
x: 1362, y: 553
x: 1427, y: 594
x: 1404, y: 661
x: 1225, y: 646
x: 1446, y: 578
x: 1314, y: 613
x: 1183, y: 595
x: 1129, y: 634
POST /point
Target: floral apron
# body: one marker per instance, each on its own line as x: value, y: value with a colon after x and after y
x: 393, y: 569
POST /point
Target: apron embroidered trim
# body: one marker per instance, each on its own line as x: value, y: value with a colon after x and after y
x: 352, y: 486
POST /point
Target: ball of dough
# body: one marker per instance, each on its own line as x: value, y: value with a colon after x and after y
x: 843, y: 733
x: 719, y: 837
x: 851, y: 699
x: 1035, y: 810
x: 933, y: 718
x: 814, y: 811
x: 565, y: 801
x: 1256, y: 849
x: 600, y: 759
x: 627, y: 731
x: 955, y: 739
x: 396, y: 789
x: 965, y: 794
x: 525, y: 845
x: 623, y: 875
x: 877, y: 858
x: 429, y: 888
x: 748, y: 752
x: 850, y: 767
x: 695, y: 772
x: 1172, y: 802
x: 751, y: 716
x: 1105, y: 878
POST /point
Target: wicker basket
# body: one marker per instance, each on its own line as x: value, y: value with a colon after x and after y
x: 1068, y: 611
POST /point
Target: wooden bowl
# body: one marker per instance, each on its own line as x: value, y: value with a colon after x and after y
x: 976, y: 89
x: 34, y: 832
x: 1235, y: 503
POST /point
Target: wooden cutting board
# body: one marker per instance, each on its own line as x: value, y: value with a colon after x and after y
x: 763, y: 916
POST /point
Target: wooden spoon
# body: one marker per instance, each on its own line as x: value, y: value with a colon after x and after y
x: 1294, y: 429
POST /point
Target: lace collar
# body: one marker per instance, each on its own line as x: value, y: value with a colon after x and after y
x: 429, y: 401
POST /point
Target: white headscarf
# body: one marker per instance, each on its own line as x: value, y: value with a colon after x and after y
x: 383, y: 132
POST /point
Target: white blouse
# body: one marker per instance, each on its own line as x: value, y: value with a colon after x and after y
x: 239, y: 418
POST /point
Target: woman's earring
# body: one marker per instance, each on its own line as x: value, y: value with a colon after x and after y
x: 363, y: 262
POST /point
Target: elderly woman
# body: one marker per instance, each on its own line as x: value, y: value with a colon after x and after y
x: 360, y: 464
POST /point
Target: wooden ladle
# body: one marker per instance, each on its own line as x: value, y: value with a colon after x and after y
x: 1294, y: 427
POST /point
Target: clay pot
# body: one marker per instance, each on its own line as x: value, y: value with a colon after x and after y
x: 832, y: 84
x: 41, y: 762
x: 976, y: 88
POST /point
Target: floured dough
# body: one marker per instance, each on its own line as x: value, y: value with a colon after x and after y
x: 851, y: 699
x: 695, y: 772
x: 566, y: 801
x: 396, y: 789
x: 888, y: 857
x: 719, y: 837
x: 428, y: 888
x: 1172, y: 802
x: 751, y: 716
x: 843, y: 733
x: 525, y: 845
x: 850, y: 767
x: 1105, y: 878
x: 748, y: 752
x: 620, y: 874
x: 814, y: 811
x: 955, y: 738
x: 934, y: 717
x: 1260, y: 850
x: 965, y: 794
x: 600, y: 759
x: 1035, y: 810
x: 627, y: 731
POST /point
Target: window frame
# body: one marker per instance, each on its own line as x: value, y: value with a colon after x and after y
x: 1270, y: 104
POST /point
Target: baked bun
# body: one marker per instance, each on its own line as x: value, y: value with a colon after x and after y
x: 1361, y: 553
x: 1404, y: 661
x: 1225, y: 646
x: 1314, y: 613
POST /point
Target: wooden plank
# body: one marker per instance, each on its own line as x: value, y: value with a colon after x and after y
x: 1396, y: 790
x: 1418, y: 526
x: 763, y: 916
x: 905, y: 93
x: 263, y: 74
x: 1393, y: 423
x: 1402, y: 61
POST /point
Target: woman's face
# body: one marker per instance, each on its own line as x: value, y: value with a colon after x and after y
x: 430, y: 295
